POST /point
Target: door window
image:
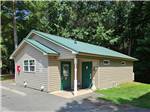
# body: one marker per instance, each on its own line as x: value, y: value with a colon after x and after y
x: 66, y: 69
x: 65, y: 75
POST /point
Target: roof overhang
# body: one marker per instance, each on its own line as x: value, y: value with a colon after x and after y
x: 17, y: 49
x: 106, y: 56
x: 22, y: 43
x: 65, y: 47
x: 78, y: 52
x: 33, y: 32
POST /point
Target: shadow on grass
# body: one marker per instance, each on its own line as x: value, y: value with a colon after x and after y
x: 142, y: 101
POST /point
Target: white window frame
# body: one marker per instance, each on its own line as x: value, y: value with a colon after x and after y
x: 123, y: 62
x: 29, y: 65
x: 106, y: 63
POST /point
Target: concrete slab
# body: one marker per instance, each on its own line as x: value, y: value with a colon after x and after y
x: 69, y: 94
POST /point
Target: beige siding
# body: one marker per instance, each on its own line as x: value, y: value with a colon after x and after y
x: 64, y: 53
x: 107, y: 76
x: 34, y: 79
x: 114, y: 74
x: 54, y: 77
x: 95, y: 72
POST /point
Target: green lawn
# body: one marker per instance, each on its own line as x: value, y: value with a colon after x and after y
x: 6, y: 77
x: 136, y: 94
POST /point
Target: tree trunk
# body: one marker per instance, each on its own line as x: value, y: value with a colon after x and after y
x: 14, y: 34
x: 123, y: 46
x: 129, y: 47
x: 14, y: 25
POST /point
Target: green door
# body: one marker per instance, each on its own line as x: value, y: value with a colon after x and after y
x: 86, y: 74
x: 65, y: 75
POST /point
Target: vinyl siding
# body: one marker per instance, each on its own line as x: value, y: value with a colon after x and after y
x: 111, y: 75
x: 54, y: 71
x: 64, y: 53
x: 107, y: 76
x: 54, y: 77
x: 34, y: 79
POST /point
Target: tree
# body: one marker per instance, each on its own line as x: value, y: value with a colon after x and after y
x: 7, y: 44
x: 142, y: 44
x: 122, y: 25
x: 14, y: 24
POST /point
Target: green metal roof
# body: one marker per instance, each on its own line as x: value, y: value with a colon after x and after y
x: 40, y: 46
x: 82, y: 47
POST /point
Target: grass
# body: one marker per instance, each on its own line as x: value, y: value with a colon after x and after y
x: 136, y: 94
x: 6, y: 77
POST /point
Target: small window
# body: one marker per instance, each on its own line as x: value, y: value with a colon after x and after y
x: 123, y: 62
x: 29, y: 65
x: 106, y: 62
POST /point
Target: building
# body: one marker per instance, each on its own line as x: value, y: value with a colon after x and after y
x: 55, y: 63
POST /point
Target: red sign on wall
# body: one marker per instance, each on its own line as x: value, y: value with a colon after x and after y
x: 18, y: 68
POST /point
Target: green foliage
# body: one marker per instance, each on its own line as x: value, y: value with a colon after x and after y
x: 6, y: 77
x: 140, y: 32
x: 143, y: 53
x: 122, y: 26
x: 104, y: 37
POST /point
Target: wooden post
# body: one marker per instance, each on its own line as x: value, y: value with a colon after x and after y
x: 75, y: 76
